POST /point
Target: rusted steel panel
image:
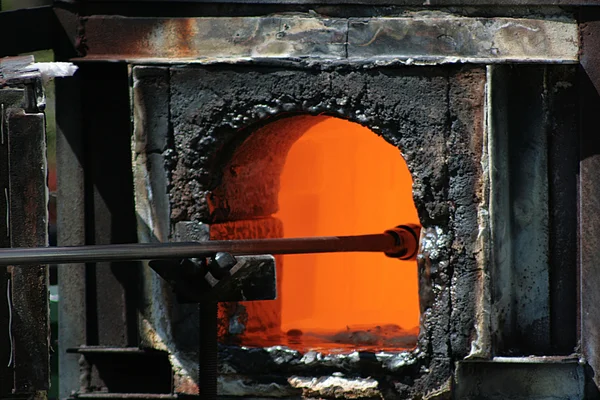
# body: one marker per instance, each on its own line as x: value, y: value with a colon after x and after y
x: 213, y: 39
x: 450, y: 39
x: 306, y: 38
x: 10, y: 98
x: 28, y: 228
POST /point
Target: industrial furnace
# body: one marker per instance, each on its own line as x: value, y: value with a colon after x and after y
x: 437, y: 162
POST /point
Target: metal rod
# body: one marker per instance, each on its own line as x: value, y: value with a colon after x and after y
x: 383, y: 242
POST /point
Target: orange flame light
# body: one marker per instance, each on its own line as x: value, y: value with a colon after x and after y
x: 340, y: 178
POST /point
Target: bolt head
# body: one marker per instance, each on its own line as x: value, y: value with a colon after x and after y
x: 224, y: 261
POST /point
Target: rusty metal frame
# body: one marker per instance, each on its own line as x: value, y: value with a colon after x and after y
x: 357, y: 38
x: 24, y: 305
x: 309, y: 39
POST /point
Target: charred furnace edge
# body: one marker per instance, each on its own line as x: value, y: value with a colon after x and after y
x: 303, y: 92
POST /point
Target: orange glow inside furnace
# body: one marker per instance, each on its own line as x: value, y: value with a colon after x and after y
x: 339, y: 178
x: 342, y: 179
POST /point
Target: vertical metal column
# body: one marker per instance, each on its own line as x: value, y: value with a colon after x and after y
x: 110, y: 215
x: 72, y: 312
x: 95, y: 206
x: 589, y: 192
x: 563, y: 165
x: 24, y: 319
x: 519, y: 200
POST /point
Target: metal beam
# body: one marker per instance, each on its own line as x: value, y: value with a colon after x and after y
x: 306, y: 38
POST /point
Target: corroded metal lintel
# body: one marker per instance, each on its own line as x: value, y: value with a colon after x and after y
x: 310, y: 39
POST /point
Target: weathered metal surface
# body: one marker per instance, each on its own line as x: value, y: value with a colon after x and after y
x: 25, y: 321
x: 21, y: 74
x: 150, y: 99
x: 520, y: 227
x: 306, y: 38
x: 6, y: 376
x: 72, y: 312
x: 16, y: 69
x: 28, y: 227
x: 10, y: 98
x: 531, y: 141
x: 589, y: 192
x: 481, y: 343
x: 450, y: 39
x: 466, y: 137
x: 214, y: 38
x: 151, y: 124
x: 520, y: 378
x: 563, y: 165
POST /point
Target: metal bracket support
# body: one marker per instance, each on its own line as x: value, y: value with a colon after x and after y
x: 243, y: 278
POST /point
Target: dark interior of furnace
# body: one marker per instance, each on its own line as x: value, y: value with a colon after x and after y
x: 299, y: 199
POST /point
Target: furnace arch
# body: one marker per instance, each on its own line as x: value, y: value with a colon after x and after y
x: 320, y: 175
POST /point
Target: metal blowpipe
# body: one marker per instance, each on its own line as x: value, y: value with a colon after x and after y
x: 400, y: 242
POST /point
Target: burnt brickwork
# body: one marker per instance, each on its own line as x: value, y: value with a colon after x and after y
x: 433, y: 114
